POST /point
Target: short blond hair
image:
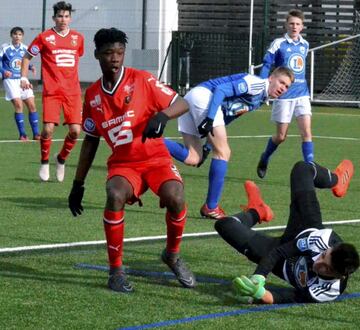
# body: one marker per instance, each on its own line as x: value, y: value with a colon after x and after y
x: 284, y: 71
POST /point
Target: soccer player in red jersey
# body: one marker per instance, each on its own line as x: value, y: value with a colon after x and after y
x: 129, y: 108
x: 60, y: 48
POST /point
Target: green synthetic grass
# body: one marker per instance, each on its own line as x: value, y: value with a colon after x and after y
x: 43, y: 290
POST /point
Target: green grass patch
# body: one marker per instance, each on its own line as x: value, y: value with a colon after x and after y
x: 44, y: 290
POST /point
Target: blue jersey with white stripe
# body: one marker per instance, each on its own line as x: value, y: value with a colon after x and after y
x: 292, y: 54
x: 236, y: 94
x: 10, y: 59
x: 298, y: 269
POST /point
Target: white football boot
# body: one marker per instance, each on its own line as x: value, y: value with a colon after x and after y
x: 44, y: 172
x: 60, y: 170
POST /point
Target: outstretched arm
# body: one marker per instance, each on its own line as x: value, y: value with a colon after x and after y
x: 156, y: 125
x: 177, y: 108
x: 282, y: 252
x: 254, y: 287
x: 24, y: 81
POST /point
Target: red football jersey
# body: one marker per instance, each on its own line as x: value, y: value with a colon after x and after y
x: 121, y: 115
x: 59, y: 61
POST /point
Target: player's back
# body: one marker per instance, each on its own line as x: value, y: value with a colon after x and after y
x: 211, y: 84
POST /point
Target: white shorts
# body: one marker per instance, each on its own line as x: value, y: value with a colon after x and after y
x: 14, y: 91
x: 199, y: 99
x: 283, y: 110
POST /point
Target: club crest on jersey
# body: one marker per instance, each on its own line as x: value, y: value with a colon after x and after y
x: 51, y: 39
x: 242, y: 87
x: 74, y: 39
x: 35, y: 50
x: 302, y: 244
x: 296, y: 63
x: 127, y: 99
x: 129, y: 88
x: 301, y: 271
x: 89, y: 125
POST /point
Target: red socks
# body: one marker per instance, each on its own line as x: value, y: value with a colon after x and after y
x: 175, y: 227
x: 68, y: 145
x: 114, y: 232
x: 45, y: 145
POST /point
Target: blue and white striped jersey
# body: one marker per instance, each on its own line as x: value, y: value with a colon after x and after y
x: 236, y: 94
x: 10, y: 59
x: 289, y: 53
x: 298, y: 269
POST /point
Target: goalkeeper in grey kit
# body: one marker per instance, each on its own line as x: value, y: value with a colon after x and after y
x: 311, y: 258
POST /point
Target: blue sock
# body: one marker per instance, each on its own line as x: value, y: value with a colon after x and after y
x: 217, y: 172
x: 270, y: 149
x: 34, y: 122
x: 308, y: 151
x: 19, y: 119
x: 177, y: 150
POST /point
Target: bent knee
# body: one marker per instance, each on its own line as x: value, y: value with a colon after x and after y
x: 280, y: 138
x: 192, y: 159
x: 74, y: 134
x: 172, y: 197
x: 300, y: 167
x: 115, y: 196
x: 223, y: 154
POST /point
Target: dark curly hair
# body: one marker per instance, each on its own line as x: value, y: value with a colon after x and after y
x: 109, y: 36
x: 344, y: 259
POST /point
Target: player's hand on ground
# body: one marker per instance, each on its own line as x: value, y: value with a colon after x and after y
x: 155, y: 127
x: 206, y: 127
x: 25, y: 83
x: 252, y: 287
x: 75, y: 198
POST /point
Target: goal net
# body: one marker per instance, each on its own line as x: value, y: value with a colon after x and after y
x: 344, y: 86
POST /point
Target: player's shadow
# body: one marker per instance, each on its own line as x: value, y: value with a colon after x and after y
x: 43, y: 202
x: 13, y: 271
x: 35, y: 180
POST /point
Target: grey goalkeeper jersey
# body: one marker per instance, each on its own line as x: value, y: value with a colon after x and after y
x: 296, y: 259
x: 298, y: 272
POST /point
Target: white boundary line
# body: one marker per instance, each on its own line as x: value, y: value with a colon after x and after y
x: 144, y: 238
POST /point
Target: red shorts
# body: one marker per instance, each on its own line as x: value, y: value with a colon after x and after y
x: 147, y: 175
x: 71, y: 105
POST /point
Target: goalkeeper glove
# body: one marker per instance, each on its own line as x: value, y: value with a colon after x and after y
x: 75, y: 198
x: 155, y: 127
x: 206, y: 127
x: 253, y: 287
